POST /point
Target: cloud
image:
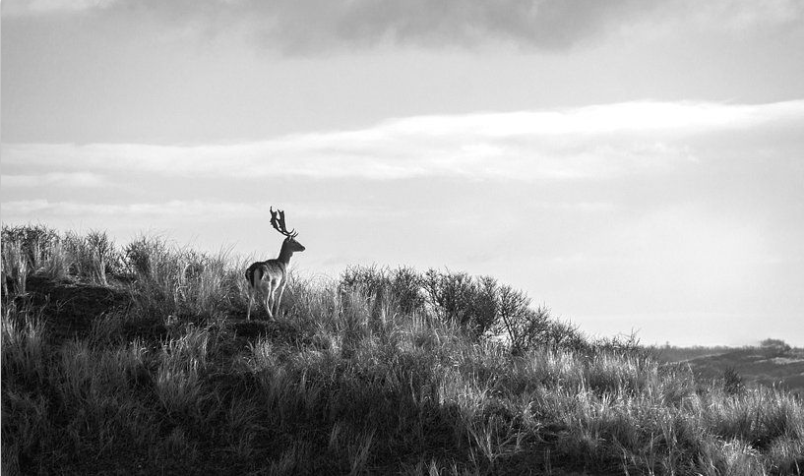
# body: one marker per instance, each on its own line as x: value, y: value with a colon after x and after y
x: 197, y: 209
x: 177, y: 211
x: 74, y: 179
x: 303, y: 26
x: 44, y: 7
x: 597, y: 142
x: 311, y: 26
x: 744, y: 14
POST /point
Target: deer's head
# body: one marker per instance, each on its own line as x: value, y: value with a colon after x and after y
x: 278, y: 222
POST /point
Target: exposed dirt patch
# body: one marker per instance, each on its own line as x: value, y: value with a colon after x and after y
x: 70, y: 308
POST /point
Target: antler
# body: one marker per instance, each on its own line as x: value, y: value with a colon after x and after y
x: 278, y: 222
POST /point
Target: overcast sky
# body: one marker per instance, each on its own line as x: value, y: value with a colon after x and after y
x: 634, y: 165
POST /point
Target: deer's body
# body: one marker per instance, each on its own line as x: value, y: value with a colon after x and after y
x: 270, y: 277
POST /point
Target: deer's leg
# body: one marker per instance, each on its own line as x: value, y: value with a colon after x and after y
x: 269, y: 299
x: 279, y: 297
x: 250, y: 290
x: 268, y: 306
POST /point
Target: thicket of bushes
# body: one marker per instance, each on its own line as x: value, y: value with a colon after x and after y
x: 380, y: 371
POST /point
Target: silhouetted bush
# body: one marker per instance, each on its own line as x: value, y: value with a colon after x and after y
x: 406, y: 289
x: 775, y: 344
x: 456, y: 296
x: 481, y: 306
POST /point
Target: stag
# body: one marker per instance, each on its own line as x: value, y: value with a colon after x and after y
x: 270, y: 277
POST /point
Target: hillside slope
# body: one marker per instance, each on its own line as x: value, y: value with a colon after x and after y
x: 139, y: 361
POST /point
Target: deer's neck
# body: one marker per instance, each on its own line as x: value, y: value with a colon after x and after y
x: 285, y: 253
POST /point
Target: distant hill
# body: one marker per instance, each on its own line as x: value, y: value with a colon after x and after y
x: 769, y: 366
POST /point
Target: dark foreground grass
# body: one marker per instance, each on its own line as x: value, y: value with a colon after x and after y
x: 140, y: 363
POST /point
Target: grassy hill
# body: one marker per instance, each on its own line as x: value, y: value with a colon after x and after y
x: 138, y: 360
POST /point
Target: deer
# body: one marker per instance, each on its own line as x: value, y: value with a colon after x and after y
x: 270, y: 277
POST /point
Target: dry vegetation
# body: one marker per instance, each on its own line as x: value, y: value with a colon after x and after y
x: 137, y: 360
